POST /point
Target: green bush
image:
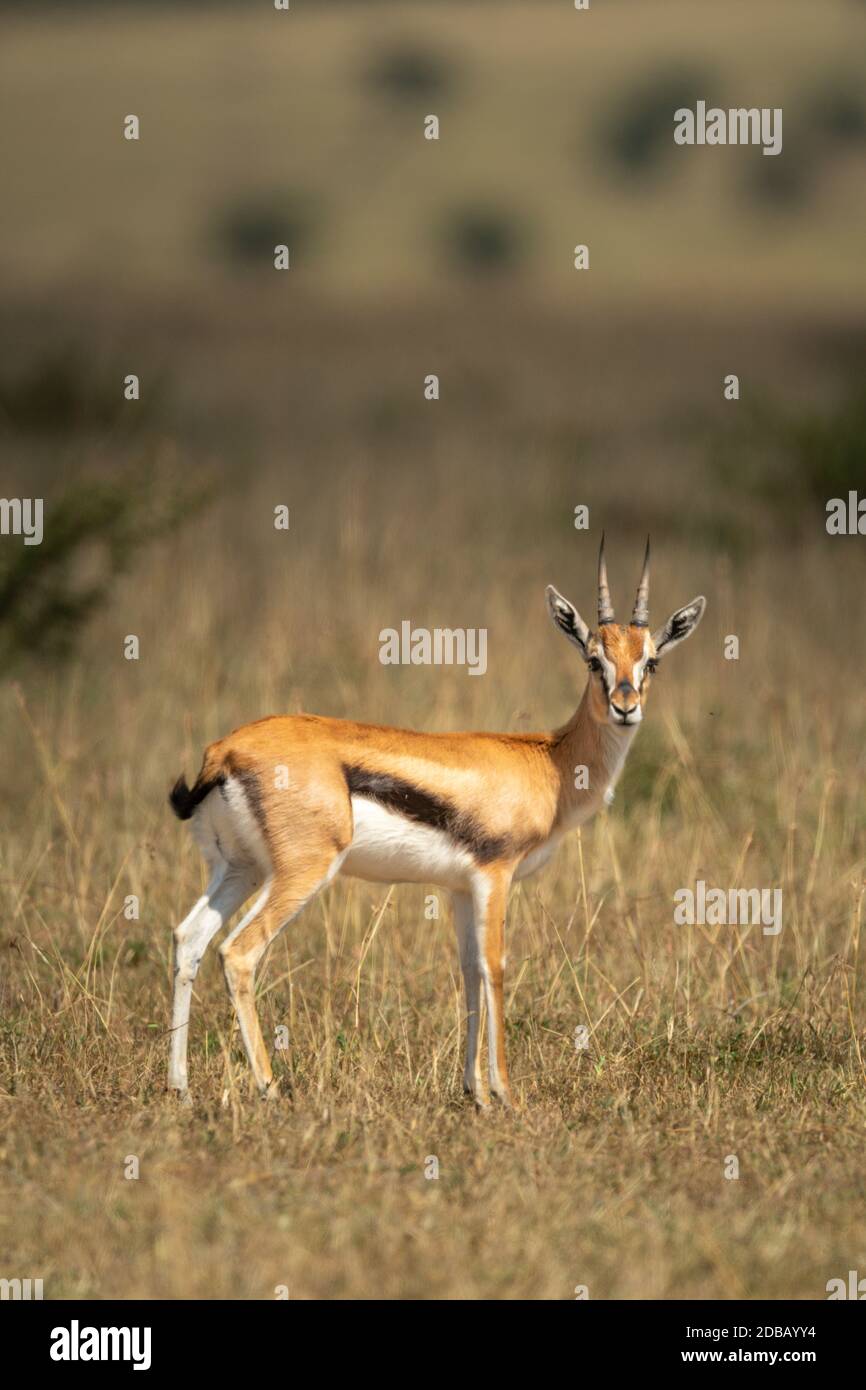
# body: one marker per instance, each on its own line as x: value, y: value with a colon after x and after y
x: 62, y: 393
x: 92, y: 535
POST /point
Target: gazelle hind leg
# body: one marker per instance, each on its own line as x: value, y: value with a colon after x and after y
x: 286, y: 893
x: 470, y: 964
x: 228, y: 889
x: 490, y: 894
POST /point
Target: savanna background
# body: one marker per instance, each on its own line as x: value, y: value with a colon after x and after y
x: 558, y: 388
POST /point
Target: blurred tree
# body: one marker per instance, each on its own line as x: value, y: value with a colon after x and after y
x: 480, y: 239
x: 248, y: 229
x: 638, y: 130
x: 410, y: 73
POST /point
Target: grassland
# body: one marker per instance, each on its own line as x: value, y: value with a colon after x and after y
x: 704, y: 1042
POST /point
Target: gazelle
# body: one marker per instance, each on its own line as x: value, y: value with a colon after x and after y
x: 285, y: 804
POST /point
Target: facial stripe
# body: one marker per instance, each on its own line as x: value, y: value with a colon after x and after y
x: 608, y: 672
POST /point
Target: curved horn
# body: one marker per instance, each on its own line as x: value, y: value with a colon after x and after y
x: 640, y: 616
x: 605, y: 607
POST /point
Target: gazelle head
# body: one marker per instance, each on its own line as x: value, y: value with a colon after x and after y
x: 622, y: 658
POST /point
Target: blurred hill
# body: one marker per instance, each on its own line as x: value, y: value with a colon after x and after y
x: 306, y: 128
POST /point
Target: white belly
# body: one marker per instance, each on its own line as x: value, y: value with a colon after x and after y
x: 389, y: 848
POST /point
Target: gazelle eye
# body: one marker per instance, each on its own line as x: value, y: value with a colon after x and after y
x: 594, y: 664
x: 651, y: 667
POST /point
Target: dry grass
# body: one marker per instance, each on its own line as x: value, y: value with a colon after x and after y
x: 704, y: 1042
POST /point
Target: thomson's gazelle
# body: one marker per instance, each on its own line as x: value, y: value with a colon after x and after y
x: 470, y: 812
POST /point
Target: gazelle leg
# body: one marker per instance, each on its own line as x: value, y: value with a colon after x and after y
x: 490, y: 893
x: 470, y: 964
x: 284, y: 896
x: 226, y: 891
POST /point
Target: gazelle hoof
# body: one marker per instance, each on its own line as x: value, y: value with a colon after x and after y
x: 478, y: 1100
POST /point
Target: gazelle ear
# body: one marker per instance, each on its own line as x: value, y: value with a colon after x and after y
x: 679, y: 626
x: 567, y: 619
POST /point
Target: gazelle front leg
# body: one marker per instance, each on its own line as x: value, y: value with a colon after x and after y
x: 470, y: 964
x: 489, y: 897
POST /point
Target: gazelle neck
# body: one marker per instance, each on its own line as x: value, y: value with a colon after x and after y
x: 600, y: 748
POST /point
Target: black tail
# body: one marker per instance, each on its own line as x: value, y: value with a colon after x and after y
x: 183, y: 799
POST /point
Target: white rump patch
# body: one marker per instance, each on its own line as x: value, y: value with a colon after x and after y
x: 225, y: 827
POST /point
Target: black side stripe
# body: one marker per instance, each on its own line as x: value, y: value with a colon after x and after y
x: 426, y: 809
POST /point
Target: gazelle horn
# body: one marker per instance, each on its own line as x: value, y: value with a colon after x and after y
x: 605, y: 607
x: 640, y: 616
